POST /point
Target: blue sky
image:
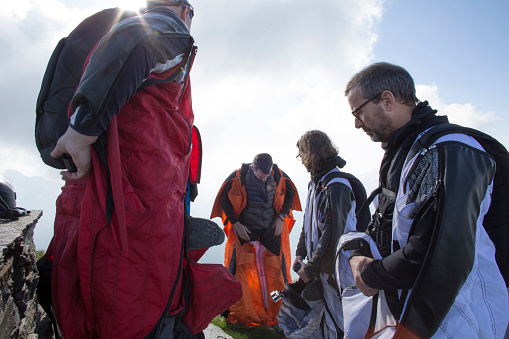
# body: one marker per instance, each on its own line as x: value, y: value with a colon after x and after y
x: 266, y: 72
x: 461, y: 46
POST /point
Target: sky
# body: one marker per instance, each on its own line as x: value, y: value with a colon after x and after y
x: 266, y: 72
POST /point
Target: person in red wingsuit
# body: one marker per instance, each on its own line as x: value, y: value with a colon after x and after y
x: 118, y: 241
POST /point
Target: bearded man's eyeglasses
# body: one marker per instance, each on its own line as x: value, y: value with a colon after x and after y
x: 354, y: 112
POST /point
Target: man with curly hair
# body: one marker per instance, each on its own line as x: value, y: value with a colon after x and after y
x: 333, y: 199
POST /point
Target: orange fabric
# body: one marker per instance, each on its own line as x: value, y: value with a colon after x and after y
x: 238, y: 198
x: 251, y: 308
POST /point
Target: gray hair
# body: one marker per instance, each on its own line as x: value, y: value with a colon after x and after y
x: 383, y: 76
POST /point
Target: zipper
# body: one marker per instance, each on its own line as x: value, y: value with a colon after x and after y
x: 438, y: 208
x: 419, y: 157
x: 435, y: 195
x: 187, y: 69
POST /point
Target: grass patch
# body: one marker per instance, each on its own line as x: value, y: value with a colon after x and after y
x: 238, y: 331
x: 39, y: 254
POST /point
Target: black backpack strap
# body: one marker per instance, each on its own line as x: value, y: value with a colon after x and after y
x: 372, y: 319
x: 362, y: 214
x: 243, y: 173
x: 428, y: 137
x: 277, y: 174
x: 374, y: 229
x: 370, y: 199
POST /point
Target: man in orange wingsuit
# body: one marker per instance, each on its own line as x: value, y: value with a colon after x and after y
x: 257, y: 200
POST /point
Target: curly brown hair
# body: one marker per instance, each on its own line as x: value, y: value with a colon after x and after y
x: 315, y: 147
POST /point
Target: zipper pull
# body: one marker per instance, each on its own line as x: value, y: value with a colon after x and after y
x: 435, y: 195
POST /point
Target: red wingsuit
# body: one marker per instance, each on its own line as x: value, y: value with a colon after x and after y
x: 114, y: 279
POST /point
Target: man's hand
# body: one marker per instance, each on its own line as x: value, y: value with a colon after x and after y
x: 301, y: 272
x: 242, y: 231
x: 77, y: 145
x: 298, y: 260
x: 358, y: 264
x: 278, y: 226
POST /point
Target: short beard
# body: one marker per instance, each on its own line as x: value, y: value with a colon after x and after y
x: 383, y: 129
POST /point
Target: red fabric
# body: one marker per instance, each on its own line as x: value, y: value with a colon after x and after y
x: 115, y: 280
x: 196, y: 155
x: 205, y: 282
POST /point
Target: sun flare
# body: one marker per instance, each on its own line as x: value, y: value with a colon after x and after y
x: 131, y: 5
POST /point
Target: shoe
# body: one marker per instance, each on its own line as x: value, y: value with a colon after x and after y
x: 202, y: 233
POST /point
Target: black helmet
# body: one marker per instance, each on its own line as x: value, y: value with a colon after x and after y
x: 8, y: 207
x: 7, y: 193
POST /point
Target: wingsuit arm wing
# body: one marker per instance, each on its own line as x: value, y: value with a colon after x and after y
x: 116, y: 69
x: 301, y: 246
x: 227, y: 205
x: 289, y: 196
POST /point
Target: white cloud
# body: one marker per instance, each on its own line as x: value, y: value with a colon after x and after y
x: 466, y: 114
x: 266, y: 72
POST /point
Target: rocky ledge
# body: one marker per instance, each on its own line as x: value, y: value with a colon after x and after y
x: 19, y: 314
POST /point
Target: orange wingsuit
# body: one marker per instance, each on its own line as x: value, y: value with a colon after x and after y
x: 259, y: 271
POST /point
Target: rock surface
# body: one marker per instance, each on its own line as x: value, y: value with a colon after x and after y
x: 214, y: 332
x: 19, y: 315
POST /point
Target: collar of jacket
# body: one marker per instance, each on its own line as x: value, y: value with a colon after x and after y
x: 423, y: 117
x: 400, y: 142
x: 329, y: 164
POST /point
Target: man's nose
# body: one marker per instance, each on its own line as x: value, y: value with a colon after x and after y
x: 358, y: 123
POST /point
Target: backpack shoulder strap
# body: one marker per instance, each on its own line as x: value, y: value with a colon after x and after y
x: 243, y: 173
x: 428, y: 137
x: 276, y: 172
x: 359, y: 192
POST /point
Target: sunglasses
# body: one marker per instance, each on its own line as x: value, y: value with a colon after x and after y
x: 177, y: 3
x: 191, y: 10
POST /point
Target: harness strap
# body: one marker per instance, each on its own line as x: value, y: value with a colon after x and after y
x: 370, y: 199
x: 372, y: 320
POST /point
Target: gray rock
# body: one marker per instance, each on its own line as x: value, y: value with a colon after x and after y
x: 18, y: 277
x: 214, y: 332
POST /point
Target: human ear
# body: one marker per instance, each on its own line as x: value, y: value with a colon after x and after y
x: 388, y: 100
x: 184, y: 13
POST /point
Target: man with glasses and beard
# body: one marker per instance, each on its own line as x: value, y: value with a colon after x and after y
x: 435, y: 263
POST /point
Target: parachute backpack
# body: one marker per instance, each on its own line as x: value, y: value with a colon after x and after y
x: 8, y: 209
x: 496, y: 220
x: 63, y: 75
